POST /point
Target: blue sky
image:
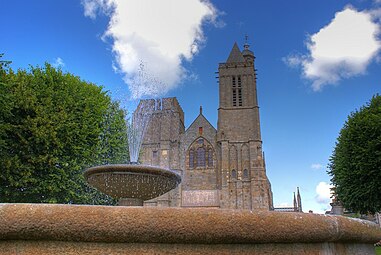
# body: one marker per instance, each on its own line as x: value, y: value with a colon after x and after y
x: 317, y: 61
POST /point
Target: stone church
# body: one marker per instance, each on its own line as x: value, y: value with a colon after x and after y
x: 220, y: 168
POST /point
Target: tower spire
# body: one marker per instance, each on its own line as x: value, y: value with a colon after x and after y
x: 235, y: 55
x: 247, y: 53
x: 246, y: 46
x: 299, y: 200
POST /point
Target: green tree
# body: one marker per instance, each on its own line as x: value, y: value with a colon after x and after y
x: 113, y: 146
x: 355, y: 165
x: 4, y: 63
x: 53, y: 125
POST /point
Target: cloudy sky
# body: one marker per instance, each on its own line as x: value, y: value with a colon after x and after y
x: 316, y: 64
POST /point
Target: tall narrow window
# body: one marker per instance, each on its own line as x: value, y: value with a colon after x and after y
x: 191, y: 159
x: 234, y: 91
x: 239, y: 91
x: 201, y: 157
x: 245, y: 174
x: 210, y: 157
x: 234, y: 174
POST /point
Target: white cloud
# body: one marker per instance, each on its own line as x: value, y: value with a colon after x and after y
x: 293, y: 60
x: 92, y: 7
x: 58, y: 62
x: 158, y: 34
x: 323, y: 193
x: 316, y: 166
x: 342, y: 49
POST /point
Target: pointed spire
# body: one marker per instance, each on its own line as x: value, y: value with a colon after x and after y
x: 295, y: 204
x: 200, y: 109
x: 299, y: 200
x: 235, y: 55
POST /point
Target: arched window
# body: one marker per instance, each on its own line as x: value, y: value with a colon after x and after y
x: 201, y: 157
x: 210, y: 157
x: 191, y: 159
x: 245, y: 174
x: 234, y: 174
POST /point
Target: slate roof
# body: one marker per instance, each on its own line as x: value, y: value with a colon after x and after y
x: 235, y: 55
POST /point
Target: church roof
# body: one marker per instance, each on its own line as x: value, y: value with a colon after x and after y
x: 235, y: 55
x: 201, y: 119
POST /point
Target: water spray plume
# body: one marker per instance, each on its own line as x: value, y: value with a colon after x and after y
x: 136, y: 128
x: 145, y: 84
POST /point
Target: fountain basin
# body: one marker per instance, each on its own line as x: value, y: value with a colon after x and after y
x: 75, y: 229
x: 132, y: 184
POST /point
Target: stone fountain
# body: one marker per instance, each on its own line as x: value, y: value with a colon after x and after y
x: 86, y: 229
x: 79, y: 229
x: 132, y: 184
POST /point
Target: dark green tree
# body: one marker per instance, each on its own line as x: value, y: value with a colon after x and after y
x: 355, y: 165
x: 4, y: 63
x: 53, y: 125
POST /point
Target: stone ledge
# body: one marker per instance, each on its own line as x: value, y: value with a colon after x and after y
x: 84, y: 248
x: 106, y: 224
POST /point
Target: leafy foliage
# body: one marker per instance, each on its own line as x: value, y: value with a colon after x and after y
x: 53, y: 125
x: 355, y: 165
x: 4, y: 64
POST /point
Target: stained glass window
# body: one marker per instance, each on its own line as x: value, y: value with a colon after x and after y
x: 201, y: 157
x: 210, y: 157
x: 191, y: 159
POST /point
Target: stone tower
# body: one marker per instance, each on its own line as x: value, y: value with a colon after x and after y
x: 244, y: 184
x: 161, y: 145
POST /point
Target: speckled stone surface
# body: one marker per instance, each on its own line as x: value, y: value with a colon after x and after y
x: 74, y: 229
x: 132, y: 181
x: 71, y: 248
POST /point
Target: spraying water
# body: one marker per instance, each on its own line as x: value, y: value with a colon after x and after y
x: 136, y: 129
x: 137, y: 125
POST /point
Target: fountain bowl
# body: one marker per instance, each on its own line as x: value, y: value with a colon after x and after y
x: 131, y: 183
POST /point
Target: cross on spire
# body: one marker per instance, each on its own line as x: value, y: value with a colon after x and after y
x: 246, y: 45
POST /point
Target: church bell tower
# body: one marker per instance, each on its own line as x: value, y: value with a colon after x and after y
x: 243, y: 180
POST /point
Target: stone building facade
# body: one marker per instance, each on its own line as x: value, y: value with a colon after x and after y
x: 220, y: 168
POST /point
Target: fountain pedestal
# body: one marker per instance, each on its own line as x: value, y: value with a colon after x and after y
x: 130, y: 202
